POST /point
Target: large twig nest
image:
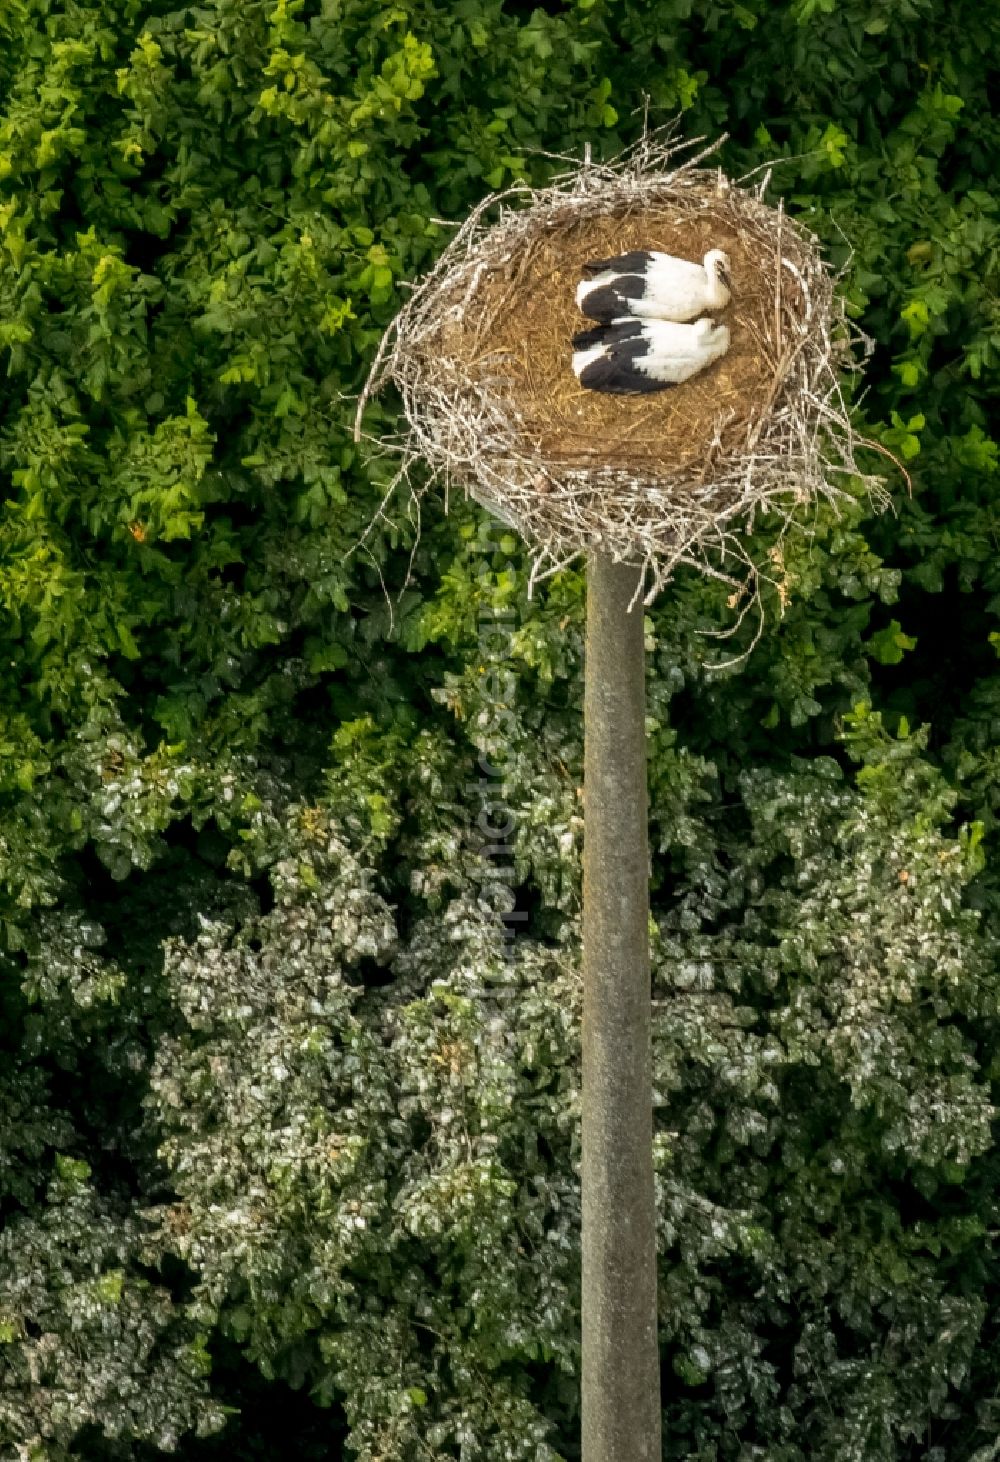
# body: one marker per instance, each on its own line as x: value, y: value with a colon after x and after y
x: 481, y: 357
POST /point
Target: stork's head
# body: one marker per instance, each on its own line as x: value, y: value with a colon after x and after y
x: 717, y: 263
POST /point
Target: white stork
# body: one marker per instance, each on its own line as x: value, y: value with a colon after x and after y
x: 654, y: 286
x: 628, y: 357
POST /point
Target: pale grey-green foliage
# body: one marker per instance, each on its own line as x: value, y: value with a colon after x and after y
x: 88, y: 1338
x: 361, y: 1188
x: 28, y: 1126
x: 376, y: 1185
x: 366, y: 1116
x: 822, y: 1080
x: 84, y: 1338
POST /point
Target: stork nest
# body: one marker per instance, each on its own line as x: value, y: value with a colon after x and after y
x: 481, y: 357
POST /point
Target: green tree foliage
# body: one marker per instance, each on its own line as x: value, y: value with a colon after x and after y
x: 273, y: 1102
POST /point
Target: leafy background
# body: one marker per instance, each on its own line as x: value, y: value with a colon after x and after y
x: 287, y: 1144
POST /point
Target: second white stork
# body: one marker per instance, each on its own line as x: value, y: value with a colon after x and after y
x: 654, y: 286
x: 630, y: 357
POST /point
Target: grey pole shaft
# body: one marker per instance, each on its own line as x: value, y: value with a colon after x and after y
x: 621, y: 1389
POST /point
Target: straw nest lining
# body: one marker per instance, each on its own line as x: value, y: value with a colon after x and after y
x: 481, y: 357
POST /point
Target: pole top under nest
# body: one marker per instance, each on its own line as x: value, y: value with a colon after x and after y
x: 480, y: 354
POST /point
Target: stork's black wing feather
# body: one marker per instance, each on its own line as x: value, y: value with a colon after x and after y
x: 611, y: 299
x: 613, y: 333
x: 596, y: 335
x: 617, y: 377
x: 615, y: 369
x: 635, y: 262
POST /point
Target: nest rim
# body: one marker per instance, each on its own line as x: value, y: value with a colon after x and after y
x: 470, y: 430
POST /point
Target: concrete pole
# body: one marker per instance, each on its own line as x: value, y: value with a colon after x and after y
x: 621, y: 1376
